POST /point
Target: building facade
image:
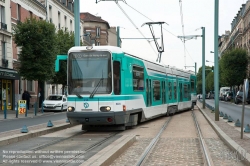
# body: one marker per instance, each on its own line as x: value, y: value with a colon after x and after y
x: 95, y: 30
x: 239, y: 35
x: 8, y: 75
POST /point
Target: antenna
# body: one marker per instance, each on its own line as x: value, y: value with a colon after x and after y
x: 159, y: 48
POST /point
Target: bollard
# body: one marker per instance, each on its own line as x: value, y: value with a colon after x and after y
x: 50, y: 124
x: 35, y: 108
x: 230, y: 119
x: 221, y: 114
x: 24, y: 129
x: 42, y: 107
x: 16, y: 109
x: 247, y: 129
x: 237, y: 123
x: 5, y: 109
x: 225, y: 116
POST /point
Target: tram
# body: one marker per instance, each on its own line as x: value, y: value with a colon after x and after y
x: 108, y: 87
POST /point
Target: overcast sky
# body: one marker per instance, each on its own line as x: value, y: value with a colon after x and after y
x: 195, y: 14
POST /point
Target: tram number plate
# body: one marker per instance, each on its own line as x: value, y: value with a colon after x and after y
x: 86, y: 110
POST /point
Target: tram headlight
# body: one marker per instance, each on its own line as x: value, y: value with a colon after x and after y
x: 105, y: 108
x: 71, y: 109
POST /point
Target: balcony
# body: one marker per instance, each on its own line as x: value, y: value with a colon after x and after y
x: 3, y: 26
x: 5, y: 62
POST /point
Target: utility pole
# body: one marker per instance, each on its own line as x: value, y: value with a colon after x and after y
x: 185, y: 38
x: 77, y: 22
x: 216, y: 66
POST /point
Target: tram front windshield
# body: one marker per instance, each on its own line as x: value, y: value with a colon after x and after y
x: 89, y: 71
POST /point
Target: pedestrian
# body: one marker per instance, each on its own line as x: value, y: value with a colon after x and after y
x: 40, y: 95
x: 28, y: 99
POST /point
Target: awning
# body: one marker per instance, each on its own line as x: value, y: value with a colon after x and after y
x: 9, y: 74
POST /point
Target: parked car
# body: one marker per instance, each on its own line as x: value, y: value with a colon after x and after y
x: 210, y: 95
x: 229, y: 96
x: 239, y: 98
x: 55, y: 103
x: 199, y: 96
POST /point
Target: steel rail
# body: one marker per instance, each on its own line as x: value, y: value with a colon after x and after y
x: 152, y: 143
x: 201, y: 139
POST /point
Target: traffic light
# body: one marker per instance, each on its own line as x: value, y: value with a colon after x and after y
x: 212, y: 68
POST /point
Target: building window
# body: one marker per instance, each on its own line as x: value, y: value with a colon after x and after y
x: 29, y: 85
x: 2, y: 17
x: 138, y: 78
x: 65, y: 21
x: 59, y: 20
x: 3, y: 50
x: 18, y: 12
x: 31, y: 14
x: 98, y: 32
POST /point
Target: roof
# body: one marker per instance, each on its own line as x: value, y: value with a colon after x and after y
x: 87, y: 17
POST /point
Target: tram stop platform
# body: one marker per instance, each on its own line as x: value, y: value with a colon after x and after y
x: 229, y: 133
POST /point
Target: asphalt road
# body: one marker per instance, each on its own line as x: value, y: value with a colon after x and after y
x: 13, y: 124
x: 234, y: 110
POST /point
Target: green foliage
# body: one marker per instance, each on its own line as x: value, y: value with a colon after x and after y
x: 234, y: 67
x: 37, y: 58
x: 64, y: 41
x: 210, y: 82
x: 199, y: 79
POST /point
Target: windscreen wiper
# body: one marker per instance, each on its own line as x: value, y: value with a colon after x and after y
x: 96, y: 87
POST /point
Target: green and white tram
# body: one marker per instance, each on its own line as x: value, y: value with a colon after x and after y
x: 108, y: 87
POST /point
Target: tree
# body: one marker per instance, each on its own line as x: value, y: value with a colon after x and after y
x: 37, y: 58
x: 64, y: 41
x: 234, y: 67
x: 199, y: 79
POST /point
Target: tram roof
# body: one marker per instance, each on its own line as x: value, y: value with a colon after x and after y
x: 106, y: 48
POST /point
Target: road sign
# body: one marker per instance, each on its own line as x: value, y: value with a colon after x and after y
x: 246, y: 88
x: 21, y: 106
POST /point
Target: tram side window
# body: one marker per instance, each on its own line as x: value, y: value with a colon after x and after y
x: 185, y: 91
x: 156, y: 90
x: 192, y: 85
x: 170, y: 91
x: 138, y: 78
x: 117, y: 78
x: 175, y: 91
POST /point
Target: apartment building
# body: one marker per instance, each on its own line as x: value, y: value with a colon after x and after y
x: 61, y: 14
x: 95, y: 29
x: 8, y: 75
x: 239, y: 35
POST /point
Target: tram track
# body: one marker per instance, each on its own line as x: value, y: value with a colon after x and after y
x: 86, y: 143
x: 144, y: 157
x: 186, y: 139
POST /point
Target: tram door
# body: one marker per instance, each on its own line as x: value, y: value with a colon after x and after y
x: 181, y: 96
x: 163, y: 92
x: 148, y: 91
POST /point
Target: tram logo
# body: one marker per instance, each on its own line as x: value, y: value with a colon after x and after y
x: 86, y: 105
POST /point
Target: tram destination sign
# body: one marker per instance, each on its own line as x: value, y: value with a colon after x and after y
x: 9, y: 75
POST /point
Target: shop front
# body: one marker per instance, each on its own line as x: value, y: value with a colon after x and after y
x: 7, y: 88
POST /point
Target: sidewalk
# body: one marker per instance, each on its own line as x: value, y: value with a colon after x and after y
x: 11, y: 114
x: 230, y: 134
